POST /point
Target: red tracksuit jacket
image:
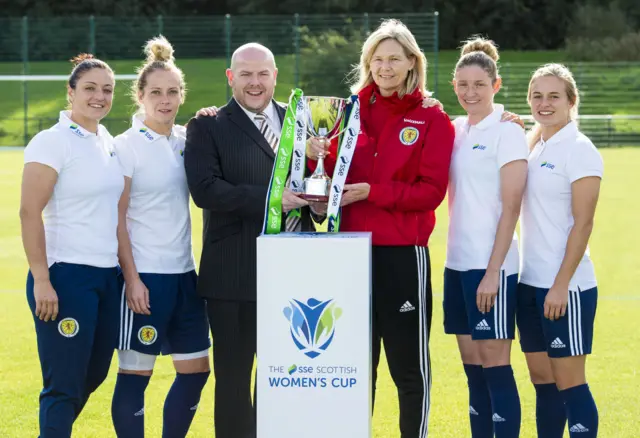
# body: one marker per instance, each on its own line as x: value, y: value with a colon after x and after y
x: 403, y: 151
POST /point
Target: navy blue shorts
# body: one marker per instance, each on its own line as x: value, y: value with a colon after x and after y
x: 461, y: 314
x: 178, y: 322
x: 571, y: 335
x: 76, y: 349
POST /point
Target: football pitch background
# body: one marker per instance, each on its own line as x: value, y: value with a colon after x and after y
x: 613, y: 369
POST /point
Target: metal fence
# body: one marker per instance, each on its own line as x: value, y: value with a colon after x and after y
x: 25, y: 40
x: 604, y: 130
x: 204, y: 45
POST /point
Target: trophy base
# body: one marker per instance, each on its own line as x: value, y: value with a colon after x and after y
x: 314, y: 198
x: 316, y: 189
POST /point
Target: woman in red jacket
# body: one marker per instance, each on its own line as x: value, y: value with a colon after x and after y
x: 398, y: 177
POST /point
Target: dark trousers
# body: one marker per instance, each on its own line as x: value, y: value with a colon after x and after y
x: 233, y: 328
x: 402, y: 309
x: 76, y: 349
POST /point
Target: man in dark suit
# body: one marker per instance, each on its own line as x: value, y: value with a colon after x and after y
x: 229, y: 160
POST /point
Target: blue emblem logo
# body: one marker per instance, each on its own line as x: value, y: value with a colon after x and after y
x: 312, y: 325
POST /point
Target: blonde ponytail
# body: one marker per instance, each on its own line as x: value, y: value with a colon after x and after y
x: 159, y: 49
x: 159, y: 56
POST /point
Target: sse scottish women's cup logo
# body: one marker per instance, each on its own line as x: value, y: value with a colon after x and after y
x: 312, y: 324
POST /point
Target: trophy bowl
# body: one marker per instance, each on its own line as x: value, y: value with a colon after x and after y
x: 324, y: 119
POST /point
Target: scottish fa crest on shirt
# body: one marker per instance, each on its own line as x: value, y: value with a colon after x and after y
x: 409, y: 136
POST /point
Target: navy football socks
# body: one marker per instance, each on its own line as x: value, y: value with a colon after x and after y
x: 127, y: 406
x: 582, y: 412
x: 181, y: 403
x: 479, y: 402
x: 551, y: 417
x: 505, y: 401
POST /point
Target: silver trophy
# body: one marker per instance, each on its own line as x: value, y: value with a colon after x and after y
x: 324, y: 117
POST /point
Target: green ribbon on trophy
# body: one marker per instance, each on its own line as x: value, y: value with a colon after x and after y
x: 299, y: 152
x: 273, y: 213
x: 326, y: 117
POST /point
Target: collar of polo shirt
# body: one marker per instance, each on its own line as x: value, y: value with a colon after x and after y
x: 66, y: 122
x: 492, y: 118
x: 570, y: 130
x: 147, y: 133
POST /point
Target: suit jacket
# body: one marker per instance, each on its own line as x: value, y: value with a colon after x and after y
x: 228, y: 165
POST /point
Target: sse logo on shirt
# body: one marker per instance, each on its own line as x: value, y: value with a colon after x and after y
x: 74, y: 128
x: 146, y: 134
x: 548, y: 165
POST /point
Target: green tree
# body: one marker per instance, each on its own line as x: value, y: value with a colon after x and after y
x: 325, y: 59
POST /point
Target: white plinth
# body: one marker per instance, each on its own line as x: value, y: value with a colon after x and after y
x: 314, y: 335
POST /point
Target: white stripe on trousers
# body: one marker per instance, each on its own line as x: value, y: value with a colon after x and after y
x: 574, y: 311
x: 503, y: 306
x: 579, y: 318
x: 496, y: 309
x: 126, y: 322
x: 500, y: 308
x: 425, y: 360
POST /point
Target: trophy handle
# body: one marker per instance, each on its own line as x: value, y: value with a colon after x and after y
x: 342, y: 116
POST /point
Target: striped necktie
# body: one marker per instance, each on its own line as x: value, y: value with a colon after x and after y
x: 292, y: 222
x: 267, y: 132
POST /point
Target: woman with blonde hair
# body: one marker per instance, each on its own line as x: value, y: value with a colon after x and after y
x: 398, y: 177
x: 557, y: 293
x: 160, y: 309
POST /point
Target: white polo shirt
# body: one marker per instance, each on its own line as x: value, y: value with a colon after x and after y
x: 474, y: 197
x: 547, y: 217
x: 158, y: 218
x: 81, y: 218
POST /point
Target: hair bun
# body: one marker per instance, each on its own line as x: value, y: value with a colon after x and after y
x: 80, y: 58
x: 480, y: 44
x: 159, y: 49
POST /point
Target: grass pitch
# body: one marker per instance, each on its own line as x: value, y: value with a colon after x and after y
x: 613, y: 369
